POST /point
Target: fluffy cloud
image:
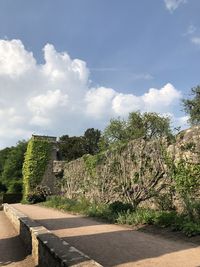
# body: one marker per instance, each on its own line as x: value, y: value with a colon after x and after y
x: 195, y: 40
x: 56, y: 98
x: 171, y: 5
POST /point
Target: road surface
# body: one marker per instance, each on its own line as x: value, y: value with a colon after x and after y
x: 12, y: 250
x: 113, y: 245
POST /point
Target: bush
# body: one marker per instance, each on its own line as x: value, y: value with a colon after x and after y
x: 118, y: 206
x: 39, y: 194
x: 165, y: 201
x: 165, y: 219
x: 15, y: 187
x: 191, y: 228
x: 140, y: 216
x: 12, y: 198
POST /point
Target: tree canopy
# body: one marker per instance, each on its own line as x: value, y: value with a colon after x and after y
x: 146, y: 125
x: 192, y: 106
x: 11, y: 161
x: 76, y: 146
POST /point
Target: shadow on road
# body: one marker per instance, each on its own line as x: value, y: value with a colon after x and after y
x: 63, y: 223
x: 11, y: 250
x: 111, y: 245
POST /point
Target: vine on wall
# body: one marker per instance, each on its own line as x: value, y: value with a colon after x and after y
x: 36, y: 159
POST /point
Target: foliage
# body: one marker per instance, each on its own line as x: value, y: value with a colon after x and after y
x: 91, y: 162
x: 164, y: 201
x: 11, y: 161
x: 39, y: 194
x: 119, y: 206
x: 91, y: 138
x: 187, y: 178
x: 150, y: 174
x: 36, y: 159
x: 192, y: 106
x: 187, y: 183
x: 116, y: 131
x: 72, y: 147
x: 12, y: 198
x: 76, y: 146
x: 3, y: 188
x: 146, y: 125
x: 15, y: 187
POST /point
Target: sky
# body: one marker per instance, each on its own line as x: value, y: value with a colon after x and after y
x: 69, y: 65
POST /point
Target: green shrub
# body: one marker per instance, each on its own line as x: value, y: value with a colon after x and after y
x: 12, y: 198
x: 39, y: 194
x: 164, y: 201
x: 119, y: 206
x: 15, y: 187
x: 140, y: 216
x: 165, y: 219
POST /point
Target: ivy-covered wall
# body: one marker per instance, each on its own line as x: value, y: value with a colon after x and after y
x: 35, y: 163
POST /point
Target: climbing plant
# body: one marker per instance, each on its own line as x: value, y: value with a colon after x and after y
x: 36, y: 159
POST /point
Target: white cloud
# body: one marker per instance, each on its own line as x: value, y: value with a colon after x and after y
x: 98, y: 101
x: 158, y: 100
x: 14, y: 60
x: 56, y: 98
x: 195, y: 40
x: 172, y: 5
x: 122, y: 104
x: 104, y: 101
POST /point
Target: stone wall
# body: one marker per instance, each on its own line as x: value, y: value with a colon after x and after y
x: 105, y: 177
x: 49, y: 178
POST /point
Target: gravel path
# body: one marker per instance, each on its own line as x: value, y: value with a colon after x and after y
x: 113, y: 245
x: 12, y: 251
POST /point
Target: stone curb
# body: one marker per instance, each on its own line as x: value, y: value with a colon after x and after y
x: 46, y: 248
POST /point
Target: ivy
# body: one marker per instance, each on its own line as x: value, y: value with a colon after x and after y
x: 91, y: 162
x: 187, y: 178
x: 36, y: 159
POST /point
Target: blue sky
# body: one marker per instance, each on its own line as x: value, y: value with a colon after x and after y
x: 127, y: 47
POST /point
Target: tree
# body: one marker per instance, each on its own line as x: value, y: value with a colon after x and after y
x: 115, y: 131
x: 91, y: 138
x: 192, y: 106
x: 150, y: 176
x: 4, y: 153
x: 156, y: 126
x: 12, y: 169
x: 72, y: 147
x: 146, y: 125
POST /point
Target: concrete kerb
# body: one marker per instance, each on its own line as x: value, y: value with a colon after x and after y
x: 46, y: 248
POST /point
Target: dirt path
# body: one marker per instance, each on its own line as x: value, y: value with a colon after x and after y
x: 12, y: 251
x: 113, y: 245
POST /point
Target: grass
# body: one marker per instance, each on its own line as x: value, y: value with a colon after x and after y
x: 123, y: 214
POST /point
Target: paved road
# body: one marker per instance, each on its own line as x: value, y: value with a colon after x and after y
x: 113, y: 245
x: 12, y: 251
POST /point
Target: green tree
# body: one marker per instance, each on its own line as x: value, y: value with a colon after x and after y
x: 146, y: 125
x: 12, y: 169
x: 91, y: 139
x: 116, y: 131
x: 192, y: 106
x: 72, y: 147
